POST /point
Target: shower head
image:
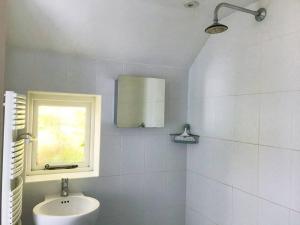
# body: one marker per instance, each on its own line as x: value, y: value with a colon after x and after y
x: 216, y: 27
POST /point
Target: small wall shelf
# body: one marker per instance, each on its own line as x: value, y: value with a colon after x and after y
x: 186, y: 137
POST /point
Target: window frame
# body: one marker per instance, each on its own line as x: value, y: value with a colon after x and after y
x: 92, y: 163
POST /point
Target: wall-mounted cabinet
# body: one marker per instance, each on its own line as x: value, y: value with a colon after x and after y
x: 140, y: 102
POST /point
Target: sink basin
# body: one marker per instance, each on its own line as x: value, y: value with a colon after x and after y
x: 76, y: 209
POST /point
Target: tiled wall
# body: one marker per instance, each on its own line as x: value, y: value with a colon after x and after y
x: 143, y: 174
x: 244, y: 101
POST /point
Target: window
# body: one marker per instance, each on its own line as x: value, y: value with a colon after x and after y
x: 66, y: 128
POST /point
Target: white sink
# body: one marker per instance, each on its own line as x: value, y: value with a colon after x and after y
x: 76, y: 209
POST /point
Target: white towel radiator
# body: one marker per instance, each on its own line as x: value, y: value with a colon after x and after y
x: 13, y: 158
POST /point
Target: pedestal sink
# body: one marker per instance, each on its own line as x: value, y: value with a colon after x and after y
x: 75, y: 209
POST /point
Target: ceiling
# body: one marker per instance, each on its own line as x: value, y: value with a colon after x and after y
x: 161, y: 32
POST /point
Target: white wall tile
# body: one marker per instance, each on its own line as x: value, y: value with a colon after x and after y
x: 108, y: 126
x: 280, y: 66
x: 229, y: 162
x: 276, y: 119
x: 219, y: 71
x: 176, y: 117
x: 27, y: 70
x: 169, y: 216
x: 274, y: 174
x: 132, y: 199
x: 228, y: 117
x: 155, y: 194
x: 175, y: 188
x: 245, y: 208
x: 221, y: 197
x: 81, y: 75
x: 50, y: 72
x: 176, y: 156
x: 140, y: 69
x: 212, y: 158
x: 196, y: 88
x: 294, y: 218
x: 242, y: 38
x: 195, y: 218
x: 295, y: 133
x: 190, y: 190
x: 295, y: 180
x: 106, y: 74
x: 133, y: 155
x: 155, y: 153
x: 175, y: 215
x: 222, y: 160
x: 245, y: 167
x: 212, y: 199
x: 198, y: 193
x: 270, y: 213
x: 275, y: 26
x: 224, y: 117
x: 201, y: 157
x: 176, y: 87
x: 280, y: 120
x: 110, y: 155
x: 109, y: 194
x: 247, y: 118
x: 248, y: 77
x: 202, y: 116
x: 20, y: 64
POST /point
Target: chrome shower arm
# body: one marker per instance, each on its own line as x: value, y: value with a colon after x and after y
x: 227, y: 5
x: 216, y: 27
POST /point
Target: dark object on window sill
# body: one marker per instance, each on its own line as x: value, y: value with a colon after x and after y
x: 62, y: 167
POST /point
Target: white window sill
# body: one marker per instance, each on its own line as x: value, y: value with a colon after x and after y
x: 59, y: 176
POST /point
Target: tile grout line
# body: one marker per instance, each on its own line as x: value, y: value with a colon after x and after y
x: 239, y: 189
x: 251, y: 143
x: 201, y: 98
x: 258, y: 158
x: 198, y: 211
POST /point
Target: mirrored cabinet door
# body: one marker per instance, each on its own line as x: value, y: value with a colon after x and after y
x: 140, y: 101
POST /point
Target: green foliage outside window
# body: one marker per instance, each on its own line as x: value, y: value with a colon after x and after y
x: 61, y: 135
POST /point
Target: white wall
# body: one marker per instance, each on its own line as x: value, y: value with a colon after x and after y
x: 2, y: 67
x: 244, y: 101
x: 143, y: 174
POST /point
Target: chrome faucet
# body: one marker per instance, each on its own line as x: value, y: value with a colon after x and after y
x: 64, y: 187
